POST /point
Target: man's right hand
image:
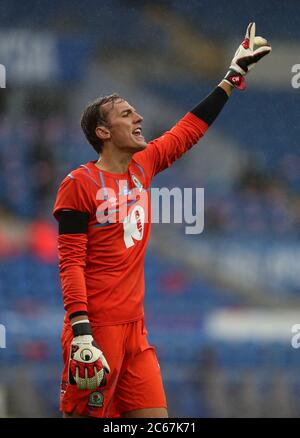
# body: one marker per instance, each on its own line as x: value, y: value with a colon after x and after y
x: 87, y: 365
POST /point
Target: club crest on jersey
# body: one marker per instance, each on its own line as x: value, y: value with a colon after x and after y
x: 136, y: 182
x: 96, y: 399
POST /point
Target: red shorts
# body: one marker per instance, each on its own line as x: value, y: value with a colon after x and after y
x: 134, y: 381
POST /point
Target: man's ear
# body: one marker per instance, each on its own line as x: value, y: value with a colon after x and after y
x: 102, y: 132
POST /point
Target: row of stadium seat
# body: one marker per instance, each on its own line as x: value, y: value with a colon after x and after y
x: 208, y: 15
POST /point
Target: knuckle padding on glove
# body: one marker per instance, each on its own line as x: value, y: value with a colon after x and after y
x: 83, y: 367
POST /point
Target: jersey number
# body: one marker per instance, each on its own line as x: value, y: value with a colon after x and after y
x: 134, y: 226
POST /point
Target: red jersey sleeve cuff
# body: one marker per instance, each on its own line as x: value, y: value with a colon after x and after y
x: 76, y: 307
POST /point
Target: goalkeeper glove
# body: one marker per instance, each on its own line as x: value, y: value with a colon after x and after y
x: 251, y: 50
x: 87, y: 364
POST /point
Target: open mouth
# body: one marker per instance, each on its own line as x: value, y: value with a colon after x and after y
x: 138, y: 133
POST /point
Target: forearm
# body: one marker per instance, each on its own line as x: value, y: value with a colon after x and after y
x: 228, y: 88
x: 211, y: 106
x: 81, y: 326
x: 73, y: 287
x: 72, y: 246
x: 76, y: 318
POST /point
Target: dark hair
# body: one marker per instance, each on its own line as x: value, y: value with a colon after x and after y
x: 93, y: 116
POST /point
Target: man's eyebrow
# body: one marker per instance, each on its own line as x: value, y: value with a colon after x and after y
x: 128, y: 110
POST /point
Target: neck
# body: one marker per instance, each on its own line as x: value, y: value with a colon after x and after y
x: 114, y: 163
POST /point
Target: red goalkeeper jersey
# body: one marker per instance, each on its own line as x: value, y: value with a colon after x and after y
x: 102, y: 271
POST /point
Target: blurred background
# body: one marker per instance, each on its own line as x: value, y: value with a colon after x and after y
x: 219, y: 306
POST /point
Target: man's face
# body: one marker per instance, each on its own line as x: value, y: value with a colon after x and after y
x: 125, y: 126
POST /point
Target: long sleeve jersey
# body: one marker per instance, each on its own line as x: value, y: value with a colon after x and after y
x: 102, y: 265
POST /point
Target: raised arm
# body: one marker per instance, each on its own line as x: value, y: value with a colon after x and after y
x: 163, y: 151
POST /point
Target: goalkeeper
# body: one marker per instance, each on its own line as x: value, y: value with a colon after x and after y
x: 110, y: 370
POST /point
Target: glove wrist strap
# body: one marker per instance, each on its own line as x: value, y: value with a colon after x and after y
x: 81, y: 328
x: 235, y: 79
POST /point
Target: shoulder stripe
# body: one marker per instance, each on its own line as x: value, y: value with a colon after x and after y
x: 85, y: 167
x: 103, y: 185
x: 141, y: 169
x: 90, y: 177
